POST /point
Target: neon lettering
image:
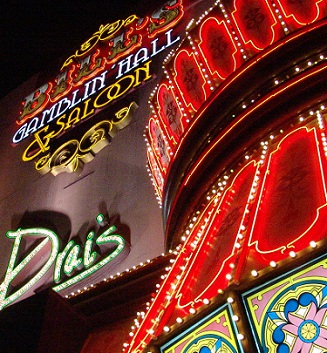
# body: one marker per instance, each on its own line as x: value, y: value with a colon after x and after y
x: 34, y: 102
x: 140, y: 57
x: 155, y: 51
x: 93, y: 83
x: 39, y: 261
x: 13, y: 270
x: 89, y: 255
x: 49, y: 112
x: 126, y: 62
x: 19, y: 134
x: 73, y: 101
x: 59, y: 108
x: 171, y: 41
x: 32, y: 126
x: 37, y: 101
x: 76, y: 152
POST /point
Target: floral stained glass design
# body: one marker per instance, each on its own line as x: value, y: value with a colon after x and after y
x: 214, y: 333
x: 290, y: 315
x: 301, y: 326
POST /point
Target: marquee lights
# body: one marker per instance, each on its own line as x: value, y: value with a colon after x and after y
x: 175, y: 277
x: 178, y: 295
x: 73, y: 261
x: 226, y: 17
x: 282, y: 24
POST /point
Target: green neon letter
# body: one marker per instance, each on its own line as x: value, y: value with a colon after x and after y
x: 48, y: 246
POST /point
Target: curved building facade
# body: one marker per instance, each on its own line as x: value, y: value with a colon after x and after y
x: 237, y: 150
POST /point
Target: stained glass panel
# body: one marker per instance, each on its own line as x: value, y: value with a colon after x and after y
x: 214, y: 333
x: 290, y: 314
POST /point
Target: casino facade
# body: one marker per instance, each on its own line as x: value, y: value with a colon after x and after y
x: 222, y: 107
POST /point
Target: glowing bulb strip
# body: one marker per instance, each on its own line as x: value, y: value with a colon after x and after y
x: 278, y: 91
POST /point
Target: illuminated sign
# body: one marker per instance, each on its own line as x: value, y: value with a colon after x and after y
x: 236, y: 232
x: 224, y: 39
x: 111, y: 64
x: 251, y: 220
x: 37, y: 252
x: 71, y: 155
x: 119, y: 39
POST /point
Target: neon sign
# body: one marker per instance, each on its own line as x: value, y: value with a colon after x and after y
x: 119, y: 39
x: 107, y: 67
x: 71, y: 155
x: 69, y: 266
x: 240, y: 226
x: 212, y: 53
x: 237, y: 233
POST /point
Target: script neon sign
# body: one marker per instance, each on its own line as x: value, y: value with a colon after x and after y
x: 69, y: 266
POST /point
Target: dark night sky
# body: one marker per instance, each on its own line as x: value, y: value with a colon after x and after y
x: 37, y: 35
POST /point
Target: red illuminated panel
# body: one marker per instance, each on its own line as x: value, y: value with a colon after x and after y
x: 292, y: 201
x: 256, y: 23
x: 219, y: 241
x: 163, y: 307
x: 157, y: 175
x: 301, y: 13
x: 158, y: 142
x: 219, y: 224
x: 189, y: 79
x: 218, y: 48
x: 170, y: 112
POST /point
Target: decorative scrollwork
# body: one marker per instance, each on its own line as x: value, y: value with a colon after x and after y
x: 104, y: 33
x: 73, y: 154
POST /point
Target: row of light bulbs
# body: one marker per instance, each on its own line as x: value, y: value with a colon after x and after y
x: 217, y: 192
x: 120, y: 274
x: 277, y: 81
x: 222, y: 186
